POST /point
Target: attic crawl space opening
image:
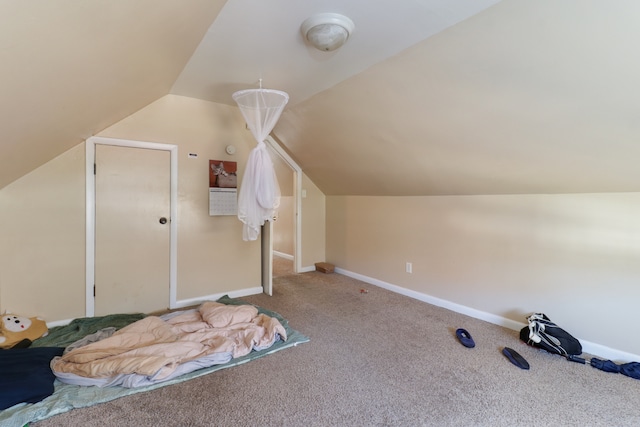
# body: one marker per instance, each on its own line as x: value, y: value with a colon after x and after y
x: 259, y: 192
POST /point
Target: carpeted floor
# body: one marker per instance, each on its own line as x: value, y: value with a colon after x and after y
x: 378, y: 359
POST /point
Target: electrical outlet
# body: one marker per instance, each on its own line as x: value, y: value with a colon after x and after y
x: 409, y: 267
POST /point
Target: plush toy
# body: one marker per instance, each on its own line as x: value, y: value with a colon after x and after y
x: 15, y: 330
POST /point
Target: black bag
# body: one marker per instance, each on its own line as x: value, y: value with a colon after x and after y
x: 545, y: 334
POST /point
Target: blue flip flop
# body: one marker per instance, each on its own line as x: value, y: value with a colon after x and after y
x: 465, y: 338
x: 515, y: 358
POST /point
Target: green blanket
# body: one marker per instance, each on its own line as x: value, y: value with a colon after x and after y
x: 62, y: 336
x: 67, y: 397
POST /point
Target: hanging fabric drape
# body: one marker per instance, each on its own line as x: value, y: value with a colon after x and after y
x: 259, y: 195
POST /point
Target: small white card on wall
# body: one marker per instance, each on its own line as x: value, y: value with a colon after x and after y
x: 223, y: 201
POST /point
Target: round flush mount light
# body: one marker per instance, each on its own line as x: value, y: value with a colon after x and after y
x: 327, y: 31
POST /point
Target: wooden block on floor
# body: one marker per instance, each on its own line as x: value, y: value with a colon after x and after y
x: 324, y: 267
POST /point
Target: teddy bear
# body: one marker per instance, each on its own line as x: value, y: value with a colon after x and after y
x: 20, y: 331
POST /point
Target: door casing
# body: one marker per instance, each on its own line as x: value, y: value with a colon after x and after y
x: 297, y: 214
x: 267, y: 257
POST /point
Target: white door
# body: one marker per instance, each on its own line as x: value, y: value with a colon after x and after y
x: 132, y: 231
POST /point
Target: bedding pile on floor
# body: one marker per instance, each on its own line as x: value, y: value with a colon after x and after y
x: 150, y: 352
x: 77, y: 329
x: 153, y: 349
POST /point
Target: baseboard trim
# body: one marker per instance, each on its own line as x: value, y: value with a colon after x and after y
x: 213, y: 297
x: 58, y: 323
x: 588, y: 347
x: 290, y: 258
x: 187, y: 302
x: 283, y: 255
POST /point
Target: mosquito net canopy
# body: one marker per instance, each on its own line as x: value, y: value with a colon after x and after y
x: 259, y: 195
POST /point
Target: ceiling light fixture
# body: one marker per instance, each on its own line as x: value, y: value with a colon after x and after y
x: 327, y: 31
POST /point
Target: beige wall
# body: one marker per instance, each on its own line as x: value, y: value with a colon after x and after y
x: 42, y: 215
x: 573, y: 257
x: 312, y: 227
x: 283, y: 227
x: 313, y: 224
x: 42, y: 251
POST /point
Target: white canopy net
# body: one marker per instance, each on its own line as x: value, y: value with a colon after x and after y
x: 259, y: 193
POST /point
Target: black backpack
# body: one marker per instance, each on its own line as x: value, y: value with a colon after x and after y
x: 545, y: 334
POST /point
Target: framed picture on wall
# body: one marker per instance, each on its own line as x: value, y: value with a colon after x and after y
x: 223, y: 188
x: 223, y: 174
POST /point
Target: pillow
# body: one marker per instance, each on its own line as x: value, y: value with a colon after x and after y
x: 220, y: 315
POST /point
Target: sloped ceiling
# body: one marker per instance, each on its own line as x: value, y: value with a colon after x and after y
x: 428, y: 97
x: 525, y: 97
x: 71, y: 68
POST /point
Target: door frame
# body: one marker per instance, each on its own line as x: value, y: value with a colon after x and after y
x: 90, y: 197
x: 297, y: 208
x: 266, y: 244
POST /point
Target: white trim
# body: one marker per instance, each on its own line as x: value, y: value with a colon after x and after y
x: 187, y: 302
x: 59, y: 323
x: 602, y: 351
x: 283, y: 255
x: 266, y: 255
x: 588, y: 347
x: 290, y: 257
x: 90, y: 227
x: 214, y: 297
x: 297, y: 191
x: 90, y: 191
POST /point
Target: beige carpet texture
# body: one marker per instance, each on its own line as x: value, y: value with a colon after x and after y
x: 377, y: 358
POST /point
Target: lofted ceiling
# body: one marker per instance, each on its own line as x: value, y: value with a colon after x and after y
x: 428, y: 97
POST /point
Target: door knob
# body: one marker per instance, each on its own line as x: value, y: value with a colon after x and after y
x: 163, y: 220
